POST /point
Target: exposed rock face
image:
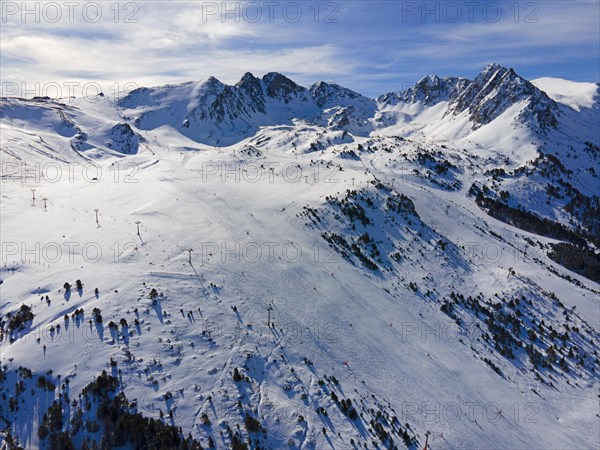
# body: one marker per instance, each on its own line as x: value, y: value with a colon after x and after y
x: 495, y: 90
x: 124, y: 139
x: 430, y: 90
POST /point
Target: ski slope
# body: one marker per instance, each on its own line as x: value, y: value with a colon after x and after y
x: 244, y: 210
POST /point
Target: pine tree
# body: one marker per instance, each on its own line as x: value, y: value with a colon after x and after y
x: 237, y: 377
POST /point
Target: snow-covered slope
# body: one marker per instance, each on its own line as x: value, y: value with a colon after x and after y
x: 574, y: 94
x: 41, y: 129
x: 285, y: 267
x: 211, y: 112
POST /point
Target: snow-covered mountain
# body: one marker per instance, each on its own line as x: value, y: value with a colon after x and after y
x: 497, y: 89
x: 266, y: 265
x: 428, y: 91
x: 211, y: 112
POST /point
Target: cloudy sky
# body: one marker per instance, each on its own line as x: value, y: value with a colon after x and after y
x: 370, y: 46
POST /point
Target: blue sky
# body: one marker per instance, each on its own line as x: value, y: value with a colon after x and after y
x: 369, y: 46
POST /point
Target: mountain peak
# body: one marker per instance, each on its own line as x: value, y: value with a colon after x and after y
x: 278, y: 85
x: 212, y: 80
x: 248, y: 77
x: 494, y: 70
x: 211, y: 84
x: 429, y: 80
x: 494, y: 67
x: 429, y: 90
x: 249, y: 83
x: 275, y: 77
x: 496, y: 89
x: 329, y: 93
x: 250, y: 86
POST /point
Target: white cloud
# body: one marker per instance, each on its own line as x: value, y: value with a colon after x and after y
x: 176, y: 41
